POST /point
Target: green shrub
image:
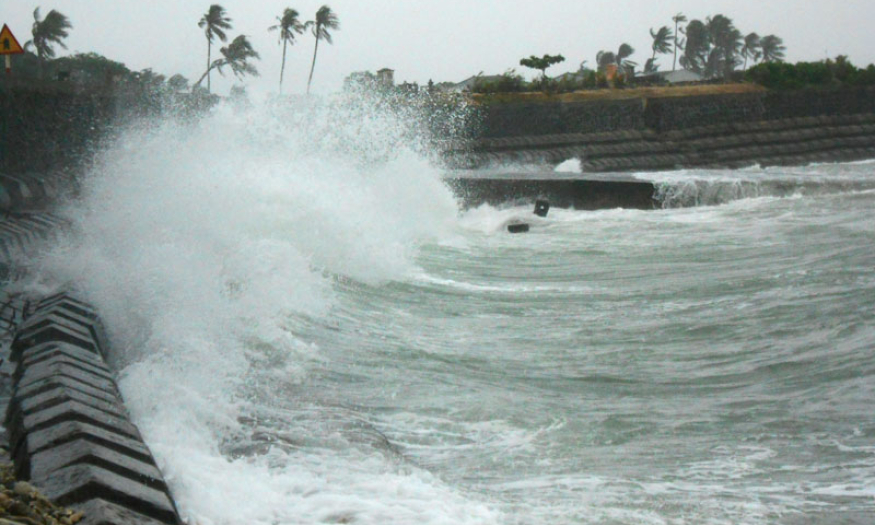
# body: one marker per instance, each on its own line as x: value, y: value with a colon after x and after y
x: 827, y: 73
x: 509, y: 82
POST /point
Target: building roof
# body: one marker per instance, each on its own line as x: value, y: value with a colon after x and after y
x: 678, y: 76
x: 469, y: 82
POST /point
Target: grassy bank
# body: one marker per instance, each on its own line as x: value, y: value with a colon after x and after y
x: 616, y: 94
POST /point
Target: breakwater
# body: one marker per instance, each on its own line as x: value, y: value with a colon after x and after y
x: 651, y: 133
x: 581, y: 193
x: 66, y: 427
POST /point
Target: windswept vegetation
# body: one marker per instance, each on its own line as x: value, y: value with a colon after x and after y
x: 824, y: 74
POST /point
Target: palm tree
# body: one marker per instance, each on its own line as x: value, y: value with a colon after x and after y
x: 751, y: 48
x: 772, y: 49
x: 713, y: 64
x: 325, y: 20
x: 677, y: 19
x: 606, y: 58
x: 46, y: 32
x: 235, y: 55
x: 288, y: 26
x: 697, y: 48
x: 661, y: 41
x: 623, y: 53
x: 214, y: 23
x: 728, y: 41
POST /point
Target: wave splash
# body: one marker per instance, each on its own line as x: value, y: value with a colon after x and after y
x: 199, y: 240
x: 684, y: 190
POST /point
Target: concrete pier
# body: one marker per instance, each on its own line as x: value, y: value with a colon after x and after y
x: 562, y: 190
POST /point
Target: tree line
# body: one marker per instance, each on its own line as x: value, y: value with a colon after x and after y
x: 712, y: 48
x: 238, y: 55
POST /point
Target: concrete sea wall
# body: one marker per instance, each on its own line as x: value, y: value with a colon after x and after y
x: 664, y: 133
x: 55, y: 127
x: 65, y: 427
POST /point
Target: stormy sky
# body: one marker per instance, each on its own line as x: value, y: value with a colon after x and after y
x: 443, y: 40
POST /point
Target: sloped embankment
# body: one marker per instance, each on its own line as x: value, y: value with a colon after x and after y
x: 730, y: 130
x: 796, y: 141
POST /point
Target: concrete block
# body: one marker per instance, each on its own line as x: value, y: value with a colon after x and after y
x: 71, y: 430
x: 64, y: 301
x: 52, y: 365
x: 43, y: 464
x: 38, y: 388
x: 69, y: 375
x: 69, y: 411
x: 39, y: 353
x: 46, y: 317
x: 101, y: 512
x: 51, y: 333
x: 57, y: 396
x: 92, y: 324
x: 81, y: 483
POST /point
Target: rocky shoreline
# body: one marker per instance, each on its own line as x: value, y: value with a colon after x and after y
x: 22, y: 504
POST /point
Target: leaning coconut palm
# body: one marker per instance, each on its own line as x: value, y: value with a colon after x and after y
x: 46, y: 32
x: 728, y: 41
x: 288, y: 26
x: 325, y: 20
x: 661, y: 41
x: 677, y: 19
x: 714, y: 64
x: 751, y: 48
x: 772, y: 49
x: 697, y: 48
x: 214, y: 23
x: 623, y: 53
x: 235, y: 55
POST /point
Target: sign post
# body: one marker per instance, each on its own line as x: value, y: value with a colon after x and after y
x: 9, y: 46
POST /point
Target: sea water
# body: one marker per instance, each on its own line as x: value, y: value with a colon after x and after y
x: 311, y: 330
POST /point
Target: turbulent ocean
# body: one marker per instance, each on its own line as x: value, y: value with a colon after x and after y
x: 310, y: 329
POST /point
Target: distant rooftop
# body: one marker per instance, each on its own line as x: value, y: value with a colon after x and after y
x: 676, y: 77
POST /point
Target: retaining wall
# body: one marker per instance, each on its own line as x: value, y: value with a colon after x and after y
x: 47, y: 127
x: 713, y: 131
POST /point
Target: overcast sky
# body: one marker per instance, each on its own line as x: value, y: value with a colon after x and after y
x: 434, y: 39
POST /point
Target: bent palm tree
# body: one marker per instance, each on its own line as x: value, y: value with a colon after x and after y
x: 728, y: 41
x: 677, y: 19
x: 325, y: 20
x: 661, y: 41
x: 235, y: 55
x: 772, y: 49
x: 698, y: 47
x: 46, y: 32
x: 214, y: 23
x: 623, y: 53
x: 751, y: 48
x: 288, y: 26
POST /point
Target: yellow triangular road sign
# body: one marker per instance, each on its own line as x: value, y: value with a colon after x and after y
x: 8, y: 44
